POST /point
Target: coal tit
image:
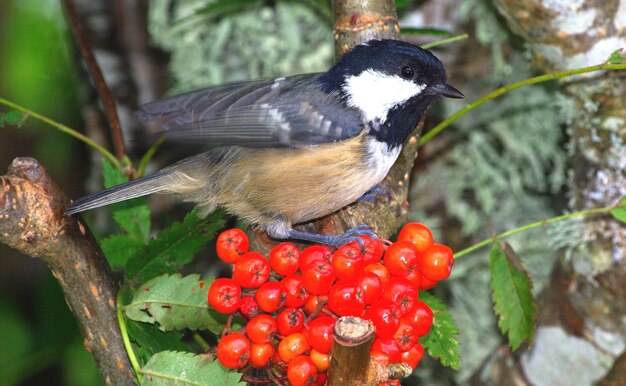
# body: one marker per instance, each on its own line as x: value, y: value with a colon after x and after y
x: 293, y: 149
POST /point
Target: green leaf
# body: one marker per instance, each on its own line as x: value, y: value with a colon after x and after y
x: 175, y: 303
x: 441, y: 342
x: 512, y: 295
x: 133, y: 215
x: 619, y: 212
x: 170, y: 368
x: 118, y: 249
x: 13, y: 118
x: 618, y: 57
x: 150, y: 340
x: 173, y: 247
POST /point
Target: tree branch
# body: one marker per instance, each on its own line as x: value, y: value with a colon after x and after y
x: 94, y: 70
x: 32, y: 221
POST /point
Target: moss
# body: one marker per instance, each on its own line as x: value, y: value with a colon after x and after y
x: 256, y: 41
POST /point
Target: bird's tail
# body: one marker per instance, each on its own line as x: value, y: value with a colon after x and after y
x: 141, y: 187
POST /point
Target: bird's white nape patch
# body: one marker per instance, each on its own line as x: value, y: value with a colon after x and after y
x: 375, y: 93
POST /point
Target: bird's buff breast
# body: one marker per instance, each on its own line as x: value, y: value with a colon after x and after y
x: 297, y: 185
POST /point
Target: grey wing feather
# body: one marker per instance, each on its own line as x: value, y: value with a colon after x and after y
x: 271, y: 113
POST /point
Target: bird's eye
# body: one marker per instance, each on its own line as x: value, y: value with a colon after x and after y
x: 407, y: 72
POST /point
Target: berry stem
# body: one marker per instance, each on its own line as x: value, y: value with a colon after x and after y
x: 510, y: 87
x: 489, y: 241
x: 65, y: 129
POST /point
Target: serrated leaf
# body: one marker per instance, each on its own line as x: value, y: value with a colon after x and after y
x: 13, y: 117
x: 173, y: 247
x: 441, y: 342
x: 512, y: 295
x: 175, y: 303
x: 118, y: 249
x: 133, y: 215
x: 171, y: 368
x: 150, y: 340
x: 619, y: 212
x: 618, y: 57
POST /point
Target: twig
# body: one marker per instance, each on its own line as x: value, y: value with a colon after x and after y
x: 94, y: 70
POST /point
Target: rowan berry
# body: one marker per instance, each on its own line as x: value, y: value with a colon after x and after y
x: 292, y: 346
x: 261, y: 328
x: 251, y: 270
x: 418, y: 235
x: 290, y: 320
x: 436, y: 262
x: 261, y: 354
x: 285, y: 259
x: 233, y: 350
x: 224, y: 295
x: 270, y: 296
x: 345, y: 298
x: 297, y: 295
x: 231, y: 244
x: 301, y: 371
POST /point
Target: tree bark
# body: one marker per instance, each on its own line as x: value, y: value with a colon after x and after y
x: 581, y: 311
x: 32, y: 221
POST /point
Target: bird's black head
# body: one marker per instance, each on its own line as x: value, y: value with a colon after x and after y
x: 391, y: 82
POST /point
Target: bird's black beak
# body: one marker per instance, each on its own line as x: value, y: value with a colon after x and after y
x: 449, y: 91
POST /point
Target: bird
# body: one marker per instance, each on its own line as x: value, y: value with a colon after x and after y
x: 289, y: 150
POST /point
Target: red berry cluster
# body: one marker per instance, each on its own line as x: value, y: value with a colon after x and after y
x: 292, y: 299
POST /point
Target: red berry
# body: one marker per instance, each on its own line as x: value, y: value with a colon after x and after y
x: 231, y: 244
x: 251, y: 270
x: 301, y: 371
x: 347, y: 261
x: 312, y: 253
x: 436, y: 262
x: 381, y: 271
x: 373, y: 249
x: 385, y: 316
x: 261, y: 329
x: 321, y: 333
x: 387, y: 346
x: 413, y: 356
x: 426, y: 283
x: 249, y: 308
x: 405, y: 336
x: 372, y: 290
x: 270, y: 296
x: 345, y: 298
x: 312, y: 303
x: 402, y: 293
x: 261, y: 354
x: 418, y: 235
x: 290, y: 320
x: 321, y: 360
x: 233, y: 350
x: 421, y: 317
x: 285, y: 258
x: 401, y: 258
x: 292, y: 346
x: 322, y: 378
x: 296, y: 294
x: 318, y: 277
x: 224, y: 295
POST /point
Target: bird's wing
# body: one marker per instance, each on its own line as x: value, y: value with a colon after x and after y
x: 269, y: 113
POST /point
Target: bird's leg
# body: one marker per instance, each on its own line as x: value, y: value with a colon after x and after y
x: 335, y: 240
x: 371, y: 194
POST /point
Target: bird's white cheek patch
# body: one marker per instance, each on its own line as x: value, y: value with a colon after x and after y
x: 375, y: 93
